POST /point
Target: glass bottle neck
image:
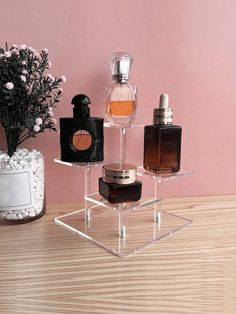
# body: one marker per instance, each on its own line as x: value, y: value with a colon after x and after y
x: 120, y: 79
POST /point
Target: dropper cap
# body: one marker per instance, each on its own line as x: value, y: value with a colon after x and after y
x: 163, y: 114
x: 121, y: 63
x: 81, y: 109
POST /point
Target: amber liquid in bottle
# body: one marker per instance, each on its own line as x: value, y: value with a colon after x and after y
x: 121, y: 108
x: 162, y: 140
x: 162, y: 148
x: 121, y: 104
x: 81, y: 140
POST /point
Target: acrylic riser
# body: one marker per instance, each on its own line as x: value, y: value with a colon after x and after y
x: 123, y: 229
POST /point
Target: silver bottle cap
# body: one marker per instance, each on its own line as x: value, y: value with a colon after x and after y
x: 121, y: 63
x: 163, y: 114
x: 119, y: 173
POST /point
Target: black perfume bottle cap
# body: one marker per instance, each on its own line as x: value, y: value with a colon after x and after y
x: 81, y: 104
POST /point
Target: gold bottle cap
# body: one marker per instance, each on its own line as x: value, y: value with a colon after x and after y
x: 119, y: 173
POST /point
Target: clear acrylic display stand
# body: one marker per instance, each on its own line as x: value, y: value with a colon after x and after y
x: 123, y: 229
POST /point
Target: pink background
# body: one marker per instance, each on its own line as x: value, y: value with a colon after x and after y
x: 186, y: 48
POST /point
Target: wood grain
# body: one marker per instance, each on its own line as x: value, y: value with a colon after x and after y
x: 46, y: 269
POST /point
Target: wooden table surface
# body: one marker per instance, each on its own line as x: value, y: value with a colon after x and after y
x: 46, y: 269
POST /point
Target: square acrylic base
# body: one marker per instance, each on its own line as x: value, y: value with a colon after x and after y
x: 141, y: 228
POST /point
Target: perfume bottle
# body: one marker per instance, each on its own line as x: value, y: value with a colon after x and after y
x: 162, y: 140
x: 81, y: 137
x: 121, y: 102
x: 118, y: 183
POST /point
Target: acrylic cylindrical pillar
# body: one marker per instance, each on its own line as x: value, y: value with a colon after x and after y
x: 123, y: 144
x: 157, y: 196
x: 122, y: 220
x: 87, y: 190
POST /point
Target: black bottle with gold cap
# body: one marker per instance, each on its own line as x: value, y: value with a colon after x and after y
x: 119, y: 183
x: 81, y: 137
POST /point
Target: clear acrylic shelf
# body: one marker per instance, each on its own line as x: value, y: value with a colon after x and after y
x: 162, y: 176
x: 125, y: 228
x: 140, y: 170
x: 83, y: 165
x: 95, y: 199
x: 120, y: 126
x: 141, y: 229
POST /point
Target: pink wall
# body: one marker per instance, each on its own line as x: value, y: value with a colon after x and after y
x: 186, y: 48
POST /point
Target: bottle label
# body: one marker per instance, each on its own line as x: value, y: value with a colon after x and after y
x: 16, y: 190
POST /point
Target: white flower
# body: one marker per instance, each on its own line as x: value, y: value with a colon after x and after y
x: 23, y: 78
x: 24, y: 62
x: 9, y: 85
x: 14, y: 46
x: 16, y: 51
x: 63, y: 78
x: 1, y: 55
x: 45, y: 50
x: 32, y: 50
x: 38, y: 121
x: 36, y: 128
x: 24, y: 72
x: 54, y: 121
x: 49, y: 64
x: 37, y: 55
x: 24, y: 46
x: 50, y: 113
x: 51, y: 77
x: 7, y: 54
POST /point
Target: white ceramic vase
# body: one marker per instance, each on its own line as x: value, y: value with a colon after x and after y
x: 22, y: 192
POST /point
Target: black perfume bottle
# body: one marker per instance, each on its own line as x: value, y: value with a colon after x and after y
x: 118, y: 183
x: 162, y: 141
x: 81, y: 137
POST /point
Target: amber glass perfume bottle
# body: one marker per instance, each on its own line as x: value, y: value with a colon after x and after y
x: 162, y: 141
x: 121, y: 99
x: 118, y: 183
x: 81, y: 137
